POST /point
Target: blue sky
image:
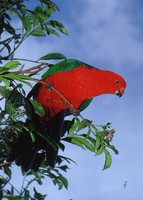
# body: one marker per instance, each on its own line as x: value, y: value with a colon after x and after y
x: 108, y: 35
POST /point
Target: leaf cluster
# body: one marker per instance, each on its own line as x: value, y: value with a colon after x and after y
x: 34, y: 22
x: 94, y: 139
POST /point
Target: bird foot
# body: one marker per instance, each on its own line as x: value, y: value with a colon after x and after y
x: 49, y: 86
x: 76, y: 113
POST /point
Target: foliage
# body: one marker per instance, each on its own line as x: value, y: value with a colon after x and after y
x: 16, y: 108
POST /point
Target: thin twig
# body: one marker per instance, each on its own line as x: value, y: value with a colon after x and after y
x: 32, y: 70
x: 14, y: 188
x: 28, y: 60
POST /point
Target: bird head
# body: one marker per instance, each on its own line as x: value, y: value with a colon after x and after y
x: 119, y: 84
x: 115, y: 83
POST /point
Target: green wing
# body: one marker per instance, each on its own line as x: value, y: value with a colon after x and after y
x: 65, y: 65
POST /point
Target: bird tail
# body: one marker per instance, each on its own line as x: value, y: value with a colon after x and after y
x: 29, y: 153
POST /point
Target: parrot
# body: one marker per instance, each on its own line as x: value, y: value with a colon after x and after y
x: 66, y: 88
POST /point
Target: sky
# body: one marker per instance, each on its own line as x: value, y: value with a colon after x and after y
x: 108, y: 35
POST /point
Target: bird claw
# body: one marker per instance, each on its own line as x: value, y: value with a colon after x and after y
x: 49, y: 86
x: 76, y: 113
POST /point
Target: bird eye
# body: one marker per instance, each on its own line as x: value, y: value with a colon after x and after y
x: 117, y: 82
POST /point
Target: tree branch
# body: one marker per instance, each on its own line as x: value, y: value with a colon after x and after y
x: 32, y: 70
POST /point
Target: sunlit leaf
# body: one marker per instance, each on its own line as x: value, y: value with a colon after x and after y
x: 100, y: 150
x: 39, y: 109
x: 12, y: 64
x: 20, y: 78
x: 26, y: 23
x: 6, y: 81
x: 98, y: 143
x: 108, y: 159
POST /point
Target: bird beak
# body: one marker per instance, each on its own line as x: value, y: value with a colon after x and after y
x: 119, y: 93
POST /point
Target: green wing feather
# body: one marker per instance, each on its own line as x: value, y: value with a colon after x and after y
x: 63, y: 66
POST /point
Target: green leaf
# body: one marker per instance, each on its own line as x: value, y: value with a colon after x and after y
x: 114, y: 149
x: 100, y: 151
x: 48, y: 11
x: 39, y: 109
x: 4, y: 91
x: 63, y: 180
x: 38, y: 32
x: 51, y: 4
x: 7, y: 46
x: 9, y: 28
x: 12, y: 197
x: 102, y: 134
x: 13, y: 11
x: 57, y: 25
x: 108, y: 159
x: 74, y: 127
x: 53, y: 56
x: 98, y: 143
x: 82, y: 124
x: 6, y: 81
x: 81, y: 142
x: 20, y: 78
x: 53, y: 32
x: 7, y: 171
x: 26, y: 194
x: 12, y: 64
x: 32, y: 135
x: 85, y: 104
x: 39, y: 176
x: 26, y: 23
x: 43, y: 14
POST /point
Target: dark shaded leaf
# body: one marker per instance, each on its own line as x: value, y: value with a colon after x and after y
x: 51, y: 4
x: 114, y: 149
x: 4, y: 91
x: 7, y: 46
x: 57, y: 25
x: 38, y: 195
x: 9, y: 29
x: 7, y: 171
x: 53, y: 56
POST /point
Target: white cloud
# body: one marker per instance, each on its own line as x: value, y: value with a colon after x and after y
x: 106, y: 33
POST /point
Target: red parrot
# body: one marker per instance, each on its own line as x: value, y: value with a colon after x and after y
x: 78, y: 83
